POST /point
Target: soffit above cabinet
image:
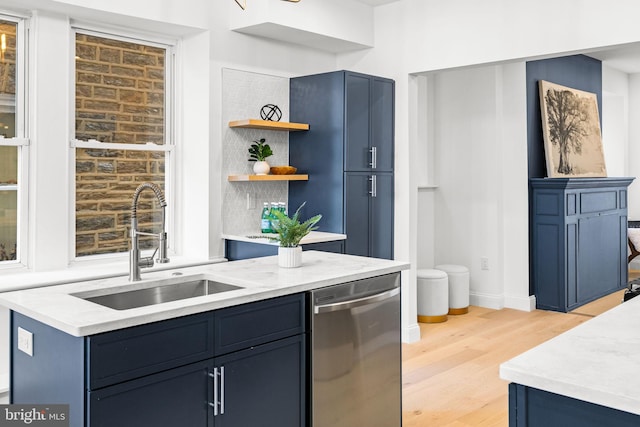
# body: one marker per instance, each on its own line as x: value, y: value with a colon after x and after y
x: 330, y: 25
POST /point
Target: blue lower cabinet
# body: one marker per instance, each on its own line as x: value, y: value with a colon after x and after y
x: 263, y: 385
x: 531, y: 407
x: 178, y: 397
x: 235, y: 367
x: 236, y: 250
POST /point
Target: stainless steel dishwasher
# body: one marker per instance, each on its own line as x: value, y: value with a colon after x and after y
x: 356, y: 354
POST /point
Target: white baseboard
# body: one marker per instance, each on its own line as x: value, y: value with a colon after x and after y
x: 495, y: 302
x: 411, y: 333
x: 521, y: 303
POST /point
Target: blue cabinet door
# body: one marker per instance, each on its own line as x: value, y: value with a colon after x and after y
x: 381, y: 218
x: 177, y: 397
x: 357, y: 187
x: 357, y: 122
x: 382, y: 123
x: 263, y: 386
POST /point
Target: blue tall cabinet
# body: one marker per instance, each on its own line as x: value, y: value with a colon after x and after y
x: 348, y: 153
x: 579, y: 240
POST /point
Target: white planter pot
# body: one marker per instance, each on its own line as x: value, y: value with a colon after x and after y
x: 290, y: 257
x: 261, y: 168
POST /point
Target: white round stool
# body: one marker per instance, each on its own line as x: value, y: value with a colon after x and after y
x: 458, y: 287
x: 433, y: 296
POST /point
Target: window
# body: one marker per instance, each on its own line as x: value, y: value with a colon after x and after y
x: 13, y: 143
x: 123, y: 137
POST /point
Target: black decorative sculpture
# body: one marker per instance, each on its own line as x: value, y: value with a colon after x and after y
x: 270, y: 112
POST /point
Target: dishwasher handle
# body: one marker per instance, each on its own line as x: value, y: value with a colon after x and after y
x: 358, y: 302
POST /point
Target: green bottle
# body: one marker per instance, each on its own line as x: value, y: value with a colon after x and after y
x: 265, y: 221
x: 273, y: 217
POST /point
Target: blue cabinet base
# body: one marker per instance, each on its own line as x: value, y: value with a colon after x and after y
x: 236, y: 250
x: 531, y: 407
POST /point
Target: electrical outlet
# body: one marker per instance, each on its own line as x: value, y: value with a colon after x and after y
x: 25, y: 341
x: 251, y: 201
x: 484, y: 263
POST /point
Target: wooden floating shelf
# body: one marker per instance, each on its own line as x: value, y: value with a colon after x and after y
x: 241, y: 178
x: 268, y: 125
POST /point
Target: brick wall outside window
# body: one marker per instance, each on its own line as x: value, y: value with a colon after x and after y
x: 120, y: 93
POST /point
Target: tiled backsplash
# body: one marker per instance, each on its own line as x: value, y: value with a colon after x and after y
x: 243, y: 95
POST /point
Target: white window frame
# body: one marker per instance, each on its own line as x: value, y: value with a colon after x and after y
x: 169, y: 146
x: 21, y: 140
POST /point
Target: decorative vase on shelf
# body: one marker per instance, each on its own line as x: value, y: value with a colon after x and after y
x: 261, y: 168
x: 290, y: 257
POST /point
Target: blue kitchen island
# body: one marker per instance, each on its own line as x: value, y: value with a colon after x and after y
x: 235, y: 355
x: 585, y: 377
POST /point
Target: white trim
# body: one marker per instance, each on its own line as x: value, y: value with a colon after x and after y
x: 121, y: 34
x: 520, y: 303
x: 13, y: 142
x: 411, y: 333
x: 92, y: 143
x: 495, y: 302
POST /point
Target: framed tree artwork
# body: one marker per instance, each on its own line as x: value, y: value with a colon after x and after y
x: 571, y: 129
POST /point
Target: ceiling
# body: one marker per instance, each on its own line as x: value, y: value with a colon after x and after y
x: 625, y: 58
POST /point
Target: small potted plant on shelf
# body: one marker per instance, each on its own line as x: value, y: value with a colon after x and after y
x: 290, y: 231
x: 258, y: 152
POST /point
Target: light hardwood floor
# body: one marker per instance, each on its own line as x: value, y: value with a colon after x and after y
x: 450, y: 378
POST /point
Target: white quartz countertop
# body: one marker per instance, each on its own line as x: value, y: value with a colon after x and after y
x: 259, y: 278
x: 258, y: 237
x: 596, y: 361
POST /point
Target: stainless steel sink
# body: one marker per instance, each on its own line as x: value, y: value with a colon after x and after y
x: 125, y: 300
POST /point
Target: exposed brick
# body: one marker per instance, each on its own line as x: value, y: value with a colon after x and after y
x: 118, y: 81
x: 127, y: 71
x: 136, y: 154
x: 113, y: 56
x: 95, y: 223
x: 113, y: 206
x: 84, y: 241
x: 126, y: 127
x: 85, y: 51
x: 92, y: 67
x: 103, y: 153
x: 124, y: 138
x: 106, y: 167
x: 82, y: 167
x: 99, y: 126
x: 145, y: 84
x: 136, y: 58
x: 105, y: 92
x: 95, y: 116
x: 84, y: 90
x: 154, y: 98
x: 131, y: 167
x: 142, y: 109
x: 143, y: 138
x: 131, y: 96
x: 101, y: 105
x: 155, y: 73
x: 91, y: 186
x: 112, y: 235
x: 88, y: 78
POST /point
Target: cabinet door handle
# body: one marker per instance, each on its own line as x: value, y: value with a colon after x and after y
x: 374, y: 157
x: 374, y: 186
x: 221, y: 390
x: 214, y: 404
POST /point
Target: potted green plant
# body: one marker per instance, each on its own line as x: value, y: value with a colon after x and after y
x: 258, y: 153
x: 290, y: 231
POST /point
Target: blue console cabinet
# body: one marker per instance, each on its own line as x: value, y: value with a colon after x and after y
x: 579, y: 240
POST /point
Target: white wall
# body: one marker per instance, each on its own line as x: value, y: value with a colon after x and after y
x: 615, y: 121
x: 634, y: 146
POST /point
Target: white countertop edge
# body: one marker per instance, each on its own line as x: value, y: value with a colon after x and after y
x: 594, y: 362
x: 56, y: 307
x: 87, y: 271
x: 576, y: 391
x: 312, y: 237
